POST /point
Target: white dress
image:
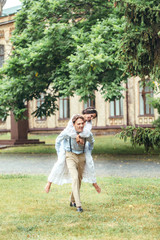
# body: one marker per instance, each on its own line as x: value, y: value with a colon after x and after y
x: 60, y: 174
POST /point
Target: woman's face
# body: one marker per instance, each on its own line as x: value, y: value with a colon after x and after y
x: 89, y: 117
x: 93, y: 116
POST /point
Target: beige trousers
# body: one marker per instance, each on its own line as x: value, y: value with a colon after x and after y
x: 75, y: 164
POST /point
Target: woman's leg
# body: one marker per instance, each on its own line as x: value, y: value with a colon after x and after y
x: 47, y: 187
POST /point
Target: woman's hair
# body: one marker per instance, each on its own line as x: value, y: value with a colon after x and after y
x: 90, y: 110
x: 76, y: 117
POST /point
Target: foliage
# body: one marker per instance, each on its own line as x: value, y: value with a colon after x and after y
x: 48, y: 34
x: 156, y: 123
x: 140, y: 52
x: 95, y: 64
x: 150, y: 138
x: 76, y: 46
x: 141, y: 40
x: 156, y: 104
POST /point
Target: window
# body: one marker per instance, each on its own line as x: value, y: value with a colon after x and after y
x: 89, y: 103
x: 1, y: 55
x: 144, y: 107
x: 64, y: 109
x: 39, y: 103
x: 1, y: 33
x: 116, y: 108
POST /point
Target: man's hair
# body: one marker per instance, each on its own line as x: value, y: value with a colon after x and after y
x: 90, y: 110
x: 76, y: 117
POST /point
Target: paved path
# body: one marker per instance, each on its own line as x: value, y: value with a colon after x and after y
x: 42, y: 164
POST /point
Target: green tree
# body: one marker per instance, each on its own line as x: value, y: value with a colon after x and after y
x: 50, y: 39
x: 141, y: 41
x: 77, y: 46
x: 140, y: 51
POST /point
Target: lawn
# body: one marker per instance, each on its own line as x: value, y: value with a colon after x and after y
x: 126, y: 209
x: 111, y: 145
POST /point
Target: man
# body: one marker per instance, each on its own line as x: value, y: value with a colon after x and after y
x: 75, y: 158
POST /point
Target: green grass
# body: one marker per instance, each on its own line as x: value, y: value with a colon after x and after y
x: 126, y: 209
x: 110, y: 145
x: 115, y: 146
x: 48, y: 138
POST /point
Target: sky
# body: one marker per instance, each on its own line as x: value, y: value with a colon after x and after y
x: 12, y: 3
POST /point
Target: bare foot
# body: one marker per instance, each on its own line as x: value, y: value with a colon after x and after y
x: 47, y: 187
x: 98, y: 189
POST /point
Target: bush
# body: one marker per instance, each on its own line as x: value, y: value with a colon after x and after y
x: 148, y: 137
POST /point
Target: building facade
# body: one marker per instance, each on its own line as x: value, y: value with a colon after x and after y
x: 132, y: 109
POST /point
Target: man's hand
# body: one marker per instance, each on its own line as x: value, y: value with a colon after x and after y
x: 79, y: 140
